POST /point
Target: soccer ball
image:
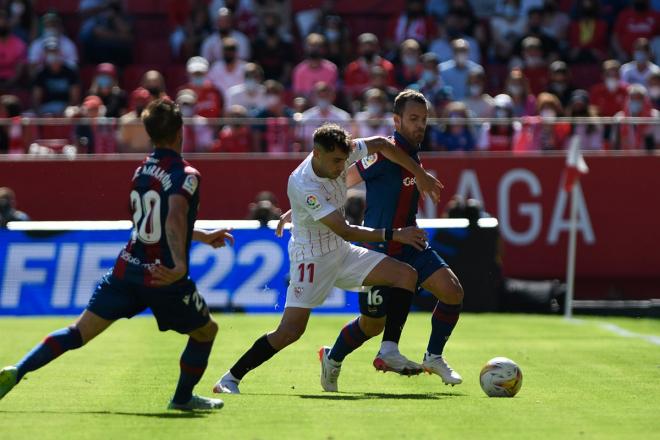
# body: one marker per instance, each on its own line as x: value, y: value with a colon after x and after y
x: 500, y: 377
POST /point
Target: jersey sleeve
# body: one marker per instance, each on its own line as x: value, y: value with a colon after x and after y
x: 186, y: 183
x: 358, y: 153
x: 312, y: 201
x: 370, y: 166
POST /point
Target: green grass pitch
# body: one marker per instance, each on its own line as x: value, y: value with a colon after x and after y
x: 581, y: 381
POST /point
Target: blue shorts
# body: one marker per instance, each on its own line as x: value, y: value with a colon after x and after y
x: 180, y: 308
x: 373, y: 303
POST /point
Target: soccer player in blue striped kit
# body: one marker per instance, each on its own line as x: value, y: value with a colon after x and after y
x: 152, y: 269
x: 392, y: 200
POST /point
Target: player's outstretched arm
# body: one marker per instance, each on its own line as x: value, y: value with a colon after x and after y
x: 411, y: 235
x: 175, y: 229
x: 284, y: 219
x: 426, y: 183
x: 216, y: 239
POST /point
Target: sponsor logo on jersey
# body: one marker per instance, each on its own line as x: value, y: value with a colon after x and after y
x: 409, y: 181
x: 313, y: 201
x: 190, y: 184
x: 369, y: 160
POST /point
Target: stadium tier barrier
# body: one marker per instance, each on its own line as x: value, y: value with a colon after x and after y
x: 52, y: 268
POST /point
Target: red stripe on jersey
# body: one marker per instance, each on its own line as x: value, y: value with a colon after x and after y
x: 403, y: 210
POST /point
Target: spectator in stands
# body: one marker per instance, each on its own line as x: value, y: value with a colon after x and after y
x: 230, y: 70
x: 323, y: 111
x: 450, y: 31
x: 654, y: 90
x: 548, y: 134
x: 555, y: 21
x: 273, y: 52
x: 105, y: 86
x: 337, y: 44
x: 23, y: 20
x: 632, y: 135
x: 13, y: 55
x: 588, y: 34
x: 410, y: 69
x: 479, y: 103
x: 56, y: 85
x: 95, y: 136
x: 234, y: 137
x: 375, y: 120
x: 455, y: 72
x: 188, y: 35
x: 209, y: 100
x: 501, y: 136
x: 356, y: 77
x: 154, y: 82
x: 281, y: 10
x: 634, y: 22
x: 314, y: 68
x: 275, y: 133
x: 132, y: 137
x: 506, y: 28
x: 517, y: 86
x: 379, y: 79
x: 108, y: 36
x: 52, y: 28
x: 559, y: 84
x: 414, y: 23
x: 14, y: 137
x: 609, y: 96
x: 534, y: 68
x: 590, y: 135
x: 549, y: 45
x: 457, y: 134
x: 214, y: 46
x: 251, y: 92
x: 245, y: 13
x: 8, y: 211
x: 198, y: 136
x: 638, y: 70
x: 431, y: 85
x: 264, y: 208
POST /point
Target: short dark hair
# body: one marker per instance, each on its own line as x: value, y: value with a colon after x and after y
x: 406, y: 96
x: 162, y: 120
x: 331, y: 136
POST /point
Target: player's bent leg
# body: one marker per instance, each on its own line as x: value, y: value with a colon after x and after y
x: 193, y: 363
x: 86, y: 327
x: 445, y: 286
x: 291, y: 328
x: 402, y: 280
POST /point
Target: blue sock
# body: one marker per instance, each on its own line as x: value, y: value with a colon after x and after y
x: 52, y: 346
x: 443, y: 321
x: 350, y: 338
x: 193, y: 363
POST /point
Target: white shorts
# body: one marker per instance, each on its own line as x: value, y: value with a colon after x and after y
x: 313, y: 278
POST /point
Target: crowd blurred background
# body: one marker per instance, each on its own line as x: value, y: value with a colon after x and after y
x: 260, y: 75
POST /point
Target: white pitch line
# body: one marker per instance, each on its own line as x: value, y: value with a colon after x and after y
x: 628, y: 334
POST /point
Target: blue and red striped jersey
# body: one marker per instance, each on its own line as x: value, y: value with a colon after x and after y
x: 392, y: 194
x: 162, y: 174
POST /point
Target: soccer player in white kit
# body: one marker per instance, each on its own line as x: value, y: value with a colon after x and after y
x: 320, y: 252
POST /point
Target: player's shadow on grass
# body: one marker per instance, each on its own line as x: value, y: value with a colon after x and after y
x: 368, y: 396
x: 157, y: 415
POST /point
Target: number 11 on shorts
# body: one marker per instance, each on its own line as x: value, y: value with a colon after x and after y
x: 310, y: 272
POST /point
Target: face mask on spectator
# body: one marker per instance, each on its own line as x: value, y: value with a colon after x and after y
x: 635, y: 107
x: 515, y: 89
x: 315, y: 54
x: 272, y: 100
x: 461, y: 58
x: 533, y: 61
x: 510, y: 11
x: 501, y: 113
x: 548, y: 113
x: 476, y: 90
x: 50, y: 32
x: 374, y: 108
x: 410, y: 60
x: 52, y: 58
x: 332, y: 35
x: 197, y: 81
x: 229, y: 58
x: 104, y: 81
x: 611, y: 84
x: 369, y: 56
x: 17, y: 9
x: 429, y: 76
x: 154, y: 91
x: 640, y: 56
x: 187, y: 111
x: 251, y: 84
x: 654, y: 92
x: 323, y: 103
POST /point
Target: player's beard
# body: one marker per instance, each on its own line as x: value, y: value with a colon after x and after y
x: 413, y: 137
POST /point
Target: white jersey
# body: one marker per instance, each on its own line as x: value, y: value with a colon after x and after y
x: 312, y: 198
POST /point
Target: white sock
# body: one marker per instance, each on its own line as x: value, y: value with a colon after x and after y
x: 388, y: 347
x: 432, y: 356
x: 231, y: 377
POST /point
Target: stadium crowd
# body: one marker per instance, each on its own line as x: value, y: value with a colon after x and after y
x: 498, y: 74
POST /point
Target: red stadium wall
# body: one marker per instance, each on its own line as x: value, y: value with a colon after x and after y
x: 618, y: 243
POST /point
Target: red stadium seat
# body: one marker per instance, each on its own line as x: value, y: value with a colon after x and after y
x: 141, y: 6
x: 86, y: 75
x: 60, y: 6
x: 583, y: 76
x: 155, y: 51
x: 150, y: 27
x: 175, y: 77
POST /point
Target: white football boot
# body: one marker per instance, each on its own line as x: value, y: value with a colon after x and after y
x: 227, y: 384
x: 329, y: 370
x: 436, y: 364
x: 398, y: 363
x: 197, y: 403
